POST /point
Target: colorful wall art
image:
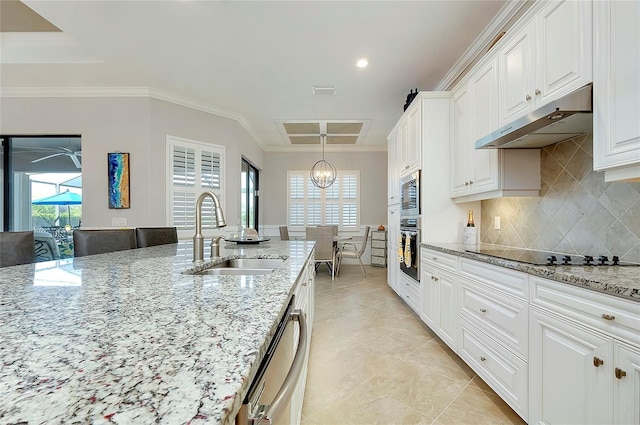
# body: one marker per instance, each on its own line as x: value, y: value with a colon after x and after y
x: 118, y: 170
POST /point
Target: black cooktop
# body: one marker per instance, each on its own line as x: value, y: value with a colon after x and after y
x: 544, y: 258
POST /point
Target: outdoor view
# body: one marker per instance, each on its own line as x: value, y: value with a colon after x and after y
x: 56, y: 207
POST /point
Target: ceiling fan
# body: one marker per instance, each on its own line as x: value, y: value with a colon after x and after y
x: 73, y: 155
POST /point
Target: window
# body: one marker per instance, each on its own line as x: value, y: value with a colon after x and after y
x: 339, y: 204
x: 194, y: 167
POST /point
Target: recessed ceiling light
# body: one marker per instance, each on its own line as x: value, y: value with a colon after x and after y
x: 362, y: 63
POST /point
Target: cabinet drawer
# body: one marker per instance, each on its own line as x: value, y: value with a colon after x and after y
x: 381, y: 236
x: 504, y: 318
x: 510, y: 281
x: 378, y: 252
x: 500, y: 369
x: 410, y: 292
x: 378, y: 244
x: 607, y: 313
x: 440, y: 259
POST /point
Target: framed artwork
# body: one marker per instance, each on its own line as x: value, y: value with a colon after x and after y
x: 118, y: 176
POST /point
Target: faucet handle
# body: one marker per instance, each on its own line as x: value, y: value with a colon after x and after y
x: 215, y: 246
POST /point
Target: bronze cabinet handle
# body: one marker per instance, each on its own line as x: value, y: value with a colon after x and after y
x: 620, y: 373
x: 608, y: 317
x: 597, y: 362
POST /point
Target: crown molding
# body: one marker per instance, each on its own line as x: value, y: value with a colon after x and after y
x: 477, y: 48
x: 131, y: 92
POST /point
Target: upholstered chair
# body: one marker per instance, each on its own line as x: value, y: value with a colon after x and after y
x: 17, y: 248
x: 88, y: 242
x: 152, y: 236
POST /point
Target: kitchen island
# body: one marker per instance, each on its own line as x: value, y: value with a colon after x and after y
x: 128, y: 337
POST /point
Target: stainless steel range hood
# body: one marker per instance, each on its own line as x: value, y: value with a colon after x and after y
x: 565, y: 118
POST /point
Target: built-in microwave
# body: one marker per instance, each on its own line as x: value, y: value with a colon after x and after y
x: 410, y: 195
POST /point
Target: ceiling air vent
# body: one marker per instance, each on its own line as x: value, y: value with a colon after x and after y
x: 323, y: 89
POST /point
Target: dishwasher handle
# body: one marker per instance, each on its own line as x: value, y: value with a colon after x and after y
x: 265, y: 413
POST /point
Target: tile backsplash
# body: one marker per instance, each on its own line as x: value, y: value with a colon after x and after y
x: 577, y: 211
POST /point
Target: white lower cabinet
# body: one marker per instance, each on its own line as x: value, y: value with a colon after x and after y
x: 439, y: 295
x: 557, y: 353
x: 626, y: 386
x: 409, y: 290
x: 585, y: 358
x: 493, y: 336
x: 304, y: 301
x: 502, y: 370
x: 566, y: 385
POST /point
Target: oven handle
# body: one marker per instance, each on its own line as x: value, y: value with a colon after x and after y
x: 265, y: 413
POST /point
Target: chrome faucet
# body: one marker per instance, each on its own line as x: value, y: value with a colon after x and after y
x: 198, y: 239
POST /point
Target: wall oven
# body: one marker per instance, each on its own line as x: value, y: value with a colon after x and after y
x: 410, y: 247
x: 410, y: 195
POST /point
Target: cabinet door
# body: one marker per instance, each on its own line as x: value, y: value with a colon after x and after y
x: 430, y: 302
x: 626, y: 386
x: 568, y: 384
x: 448, y: 314
x: 439, y: 305
x: 413, y: 138
x: 484, y: 112
x: 403, y: 137
x: 392, y: 171
x: 460, y: 136
x: 393, y: 267
x: 563, y: 41
x: 516, y: 76
x: 616, y: 88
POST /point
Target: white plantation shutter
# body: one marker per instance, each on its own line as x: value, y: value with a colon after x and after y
x: 309, y: 205
x: 210, y: 170
x: 196, y: 167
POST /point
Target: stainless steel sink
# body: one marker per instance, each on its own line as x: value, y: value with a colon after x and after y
x: 244, y: 266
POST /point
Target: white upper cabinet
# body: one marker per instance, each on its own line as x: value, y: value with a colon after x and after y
x: 546, y: 58
x: 616, y: 89
x: 412, y: 140
x: 478, y: 174
x: 516, y: 76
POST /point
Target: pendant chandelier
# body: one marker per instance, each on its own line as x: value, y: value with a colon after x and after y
x: 323, y: 173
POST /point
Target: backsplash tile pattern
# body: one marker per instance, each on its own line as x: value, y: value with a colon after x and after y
x: 577, y: 211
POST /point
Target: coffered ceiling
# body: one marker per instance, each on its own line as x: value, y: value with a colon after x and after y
x: 286, y: 70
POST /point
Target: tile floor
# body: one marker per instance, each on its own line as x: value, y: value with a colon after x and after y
x: 373, y: 361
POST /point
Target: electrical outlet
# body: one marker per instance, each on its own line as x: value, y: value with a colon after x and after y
x: 119, y: 222
x: 496, y: 222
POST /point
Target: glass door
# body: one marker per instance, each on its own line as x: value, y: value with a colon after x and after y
x: 249, y: 187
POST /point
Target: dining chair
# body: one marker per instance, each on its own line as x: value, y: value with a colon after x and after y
x: 152, y: 236
x: 46, y: 247
x: 89, y: 242
x: 325, y: 251
x: 17, y: 248
x: 349, y: 250
x: 284, y: 233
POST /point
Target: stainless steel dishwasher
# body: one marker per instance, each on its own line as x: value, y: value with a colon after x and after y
x: 269, y: 396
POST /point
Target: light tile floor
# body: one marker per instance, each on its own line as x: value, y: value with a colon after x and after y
x: 373, y: 361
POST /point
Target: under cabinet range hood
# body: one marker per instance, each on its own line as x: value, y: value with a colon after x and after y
x: 562, y: 119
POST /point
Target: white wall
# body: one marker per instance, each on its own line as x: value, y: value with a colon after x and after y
x: 138, y: 126
x: 373, y: 182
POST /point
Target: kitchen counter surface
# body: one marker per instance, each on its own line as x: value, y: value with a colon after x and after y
x: 127, y: 338
x: 621, y: 281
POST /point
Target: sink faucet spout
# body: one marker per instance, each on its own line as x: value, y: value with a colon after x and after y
x: 198, y: 239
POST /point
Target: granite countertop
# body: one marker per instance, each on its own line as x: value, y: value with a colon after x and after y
x: 126, y: 337
x: 620, y: 281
